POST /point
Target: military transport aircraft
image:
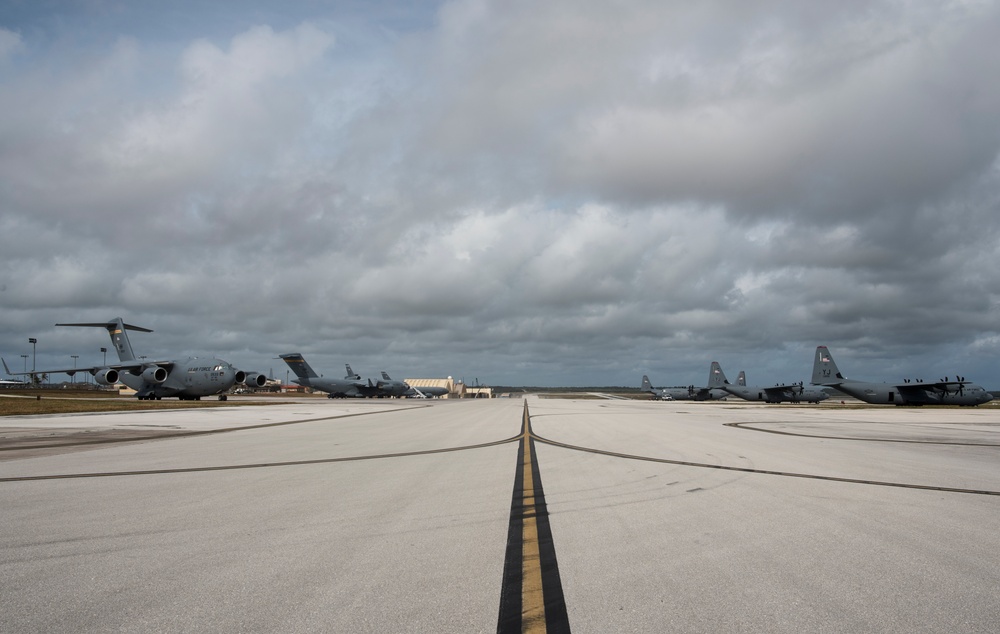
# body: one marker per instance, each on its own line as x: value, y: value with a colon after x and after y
x: 187, y: 379
x: 794, y: 393
x: 689, y: 393
x: 391, y: 387
x: 942, y: 392
x: 351, y: 385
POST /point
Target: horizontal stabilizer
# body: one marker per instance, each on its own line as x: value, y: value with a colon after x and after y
x: 110, y: 324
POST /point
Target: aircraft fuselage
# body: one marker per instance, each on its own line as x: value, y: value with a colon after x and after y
x: 192, y: 378
x: 792, y: 395
x: 695, y: 394
x: 912, y: 394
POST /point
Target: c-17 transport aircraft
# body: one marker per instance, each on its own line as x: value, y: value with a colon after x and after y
x: 943, y: 392
x: 350, y: 386
x: 689, y: 393
x: 187, y: 379
x: 794, y: 393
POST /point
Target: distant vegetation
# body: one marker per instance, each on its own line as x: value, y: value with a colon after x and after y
x: 617, y: 389
x: 28, y: 402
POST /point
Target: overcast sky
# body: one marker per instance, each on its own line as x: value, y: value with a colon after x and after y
x: 523, y: 193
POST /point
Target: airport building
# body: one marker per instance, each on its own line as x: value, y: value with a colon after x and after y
x: 456, y: 389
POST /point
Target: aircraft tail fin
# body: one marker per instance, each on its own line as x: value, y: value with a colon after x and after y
x: 298, y: 365
x: 646, y: 385
x: 5, y: 368
x: 825, y: 371
x: 116, y: 328
x: 741, y: 380
x: 351, y: 376
x: 385, y: 376
x: 716, y: 377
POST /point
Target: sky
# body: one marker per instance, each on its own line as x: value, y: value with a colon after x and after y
x: 515, y: 193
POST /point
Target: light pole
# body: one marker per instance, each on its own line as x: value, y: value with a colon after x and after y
x: 105, y: 351
x: 33, y: 341
x: 73, y: 377
x: 25, y: 357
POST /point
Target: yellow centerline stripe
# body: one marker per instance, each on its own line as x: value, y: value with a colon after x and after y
x: 532, y: 596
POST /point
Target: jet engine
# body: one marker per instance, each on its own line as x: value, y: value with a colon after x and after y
x: 154, y: 374
x: 254, y: 379
x: 107, y: 376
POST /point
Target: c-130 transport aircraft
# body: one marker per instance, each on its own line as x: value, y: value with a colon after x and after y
x: 187, y: 379
x: 792, y: 392
x: 690, y: 393
x: 943, y: 392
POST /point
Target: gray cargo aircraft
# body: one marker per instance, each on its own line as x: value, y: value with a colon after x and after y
x: 942, y: 392
x: 689, y: 393
x: 391, y: 387
x: 794, y: 393
x: 351, y: 385
x: 187, y: 379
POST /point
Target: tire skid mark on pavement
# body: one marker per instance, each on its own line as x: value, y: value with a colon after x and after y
x: 787, y: 474
x: 259, y: 465
x: 169, y: 434
x: 755, y: 427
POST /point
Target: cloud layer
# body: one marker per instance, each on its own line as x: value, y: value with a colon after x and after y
x: 556, y: 195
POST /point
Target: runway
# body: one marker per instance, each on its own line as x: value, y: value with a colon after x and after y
x: 413, y: 516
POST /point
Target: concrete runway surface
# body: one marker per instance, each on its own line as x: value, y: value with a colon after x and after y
x: 457, y: 516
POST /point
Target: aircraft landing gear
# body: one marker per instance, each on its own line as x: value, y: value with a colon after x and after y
x: 222, y: 397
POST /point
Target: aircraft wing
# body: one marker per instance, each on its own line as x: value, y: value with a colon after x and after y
x: 137, y: 365
x: 66, y: 371
x: 783, y: 389
x: 934, y: 386
x: 126, y: 365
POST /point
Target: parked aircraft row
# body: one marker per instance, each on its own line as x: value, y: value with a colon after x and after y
x: 352, y: 385
x: 719, y: 387
x: 195, y: 377
x: 827, y: 375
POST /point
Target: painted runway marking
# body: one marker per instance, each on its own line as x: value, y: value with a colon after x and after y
x: 531, y: 597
